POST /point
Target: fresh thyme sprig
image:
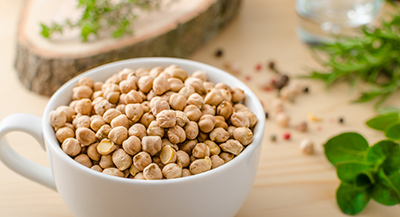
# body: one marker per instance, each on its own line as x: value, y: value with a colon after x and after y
x: 373, y: 57
x: 97, y: 15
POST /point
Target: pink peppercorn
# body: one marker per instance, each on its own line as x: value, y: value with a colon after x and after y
x: 248, y: 78
x: 258, y: 67
x: 286, y: 136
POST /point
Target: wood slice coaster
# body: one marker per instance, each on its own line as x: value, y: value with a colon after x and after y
x: 174, y: 31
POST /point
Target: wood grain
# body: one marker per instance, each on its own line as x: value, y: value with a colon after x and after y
x: 288, y: 183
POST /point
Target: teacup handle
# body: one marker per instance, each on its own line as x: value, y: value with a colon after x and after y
x: 31, y: 125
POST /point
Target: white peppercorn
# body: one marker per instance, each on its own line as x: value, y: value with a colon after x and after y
x: 282, y: 119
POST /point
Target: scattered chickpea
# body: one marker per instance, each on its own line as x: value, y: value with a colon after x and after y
x: 176, y: 134
x: 216, y: 161
x: 182, y: 158
x: 114, y: 172
x: 214, y: 148
x: 105, y: 147
x: 302, y: 126
x: 57, y: 119
x: 154, y: 129
x: 93, y: 153
x: 307, y: 146
x: 97, y: 168
x: 232, y: 146
x: 282, y: 119
x: 244, y: 135
x: 219, y: 135
x: 151, y: 144
x: 172, y: 171
x: 240, y: 119
x: 132, y: 145
x: 142, y: 160
x: 71, y: 147
x: 191, y: 130
x: 64, y: 133
x: 152, y: 172
x: 85, y: 136
x: 118, y: 134
x: 200, y: 165
x: 206, y: 123
x: 121, y: 159
x: 134, y: 111
x: 193, y: 112
x: 201, y: 150
x: 138, y: 130
x: 84, y: 160
x: 167, y: 155
x: 106, y: 161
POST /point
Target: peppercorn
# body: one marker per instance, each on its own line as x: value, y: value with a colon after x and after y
x: 266, y: 115
x: 219, y: 53
x: 282, y: 81
x: 258, y: 67
x: 271, y: 65
x: 286, y: 136
x: 273, y: 138
x: 341, y: 120
x: 306, y: 90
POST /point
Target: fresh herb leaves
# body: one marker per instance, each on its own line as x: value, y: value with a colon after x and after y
x: 116, y: 16
x: 367, y: 172
x: 372, y: 57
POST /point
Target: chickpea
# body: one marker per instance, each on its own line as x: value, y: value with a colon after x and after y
x: 232, y: 146
x: 110, y: 114
x: 192, y: 112
x: 220, y: 122
x: 114, y: 79
x: 181, y: 118
x: 191, y: 130
x: 106, y: 161
x: 85, y: 136
x: 118, y: 134
x: 200, y: 75
x: 166, y: 118
x: 68, y: 111
x: 307, y: 146
x: 177, y: 73
x: 219, y: 135
x: 142, y: 160
x: 252, y: 118
x: 154, y: 72
x: 216, y: 161
x: 84, y: 160
x: 151, y: 144
x: 175, y: 84
x: 134, y: 111
x: 133, y: 97
x: 186, y: 91
x: 177, y: 101
x: 71, y: 147
x: 282, y: 119
x: 133, y: 170
x: 277, y: 106
x: 57, y: 119
x: 188, y: 146
x: 112, y: 87
x: 208, y: 86
x: 201, y: 150
x: 139, y: 176
x: 214, y: 148
x: 147, y: 118
x: 225, y: 109
x: 103, y: 132
x: 157, y: 160
x: 105, y: 147
x: 182, y: 158
x: 113, y: 172
x: 166, y: 142
x: 73, y: 103
x: 97, y: 94
x: 97, y: 85
x: 186, y: 172
x: 197, y: 84
x: 140, y: 72
x: 160, y: 85
x: 81, y: 92
x: 226, y: 156
x: 101, y: 107
x: 202, y: 137
x: 208, y: 110
x: 151, y: 95
x: 85, y: 81
x: 138, y: 130
x: 214, y: 97
x: 207, y: 123
x: 167, y: 155
x: 231, y: 129
x: 96, y: 121
x: 226, y: 95
x: 132, y: 145
x: 127, y: 85
x: 64, y: 133
x: 93, y: 153
x: 112, y: 96
x: 70, y: 126
x: 222, y: 86
x: 146, y: 106
x: 157, y: 105
x: 176, y: 134
x: 172, y: 171
x: 81, y: 121
x: 244, y: 135
x: 196, y: 99
x: 121, y: 159
x: 97, y: 168
x: 124, y: 73
x: 200, y: 165
x: 237, y: 94
x: 152, y: 172
x: 145, y: 83
x: 240, y: 119
x: 120, y: 120
x: 154, y: 129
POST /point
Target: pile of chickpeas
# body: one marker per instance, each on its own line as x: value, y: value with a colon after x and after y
x: 157, y: 123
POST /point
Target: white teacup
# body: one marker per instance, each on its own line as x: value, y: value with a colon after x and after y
x: 87, y: 193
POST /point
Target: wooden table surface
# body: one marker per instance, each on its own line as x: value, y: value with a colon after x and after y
x: 288, y: 183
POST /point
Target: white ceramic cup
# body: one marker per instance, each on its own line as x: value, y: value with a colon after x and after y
x: 87, y: 193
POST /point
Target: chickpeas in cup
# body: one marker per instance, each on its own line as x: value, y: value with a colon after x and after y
x: 146, y: 137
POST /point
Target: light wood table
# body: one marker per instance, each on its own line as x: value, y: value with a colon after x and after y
x: 288, y: 183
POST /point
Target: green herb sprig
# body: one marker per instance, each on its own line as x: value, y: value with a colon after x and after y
x: 372, y: 57
x: 367, y: 172
x: 97, y: 15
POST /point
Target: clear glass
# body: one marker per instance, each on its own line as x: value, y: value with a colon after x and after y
x: 334, y: 17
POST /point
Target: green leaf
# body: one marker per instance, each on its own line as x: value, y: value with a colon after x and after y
x: 393, y: 131
x: 387, y: 110
x: 347, y: 171
x: 364, y: 180
x: 385, y: 154
x: 385, y: 191
x: 346, y: 147
x: 350, y: 200
x: 45, y: 31
x: 380, y: 122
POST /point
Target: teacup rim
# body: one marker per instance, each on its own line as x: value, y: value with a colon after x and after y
x: 49, y: 134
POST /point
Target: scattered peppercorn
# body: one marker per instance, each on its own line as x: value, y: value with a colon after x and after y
x: 266, y: 115
x: 248, y: 78
x: 258, y: 67
x: 306, y: 90
x: 319, y: 128
x: 282, y: 81
x: 341, y: 120
x: 271, y: 65
x: 219, y: 53
x: 273, y: 138
x: 286, y: 136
